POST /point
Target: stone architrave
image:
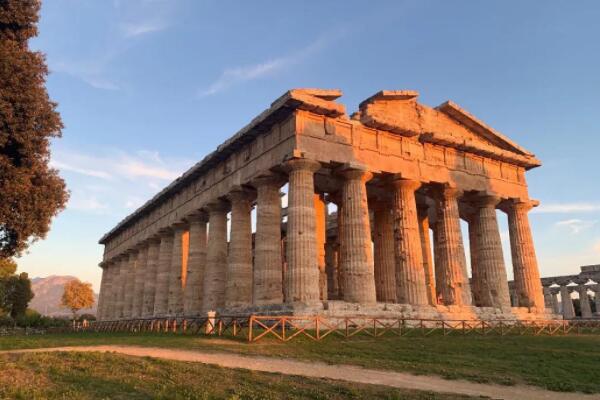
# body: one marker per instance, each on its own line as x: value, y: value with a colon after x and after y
x: 140, y: 277
x: 238, y: 293
x: 192, y: 304
x: 492, y: 282
x: 130, y: 284
x: 383, y: 249
x: 302, y: 275
x: 215, y: 274
x: 355, y: 240
x: 165, y: 253
x: 175, y: 298
x: 526, y: 273
x: 423, y: 213
x: 410, y: 275
x: 268, y: 278
x: 584, y: 302
x: 321, y: 237
x: 452, y: 282
x: 568, y: 310
x: 150, y: 279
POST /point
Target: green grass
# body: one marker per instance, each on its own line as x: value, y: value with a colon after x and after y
x: 559, y: 363
x: 110, y: 376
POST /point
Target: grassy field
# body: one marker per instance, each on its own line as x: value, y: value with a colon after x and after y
x: 567, y: 363
x: 109, y: 376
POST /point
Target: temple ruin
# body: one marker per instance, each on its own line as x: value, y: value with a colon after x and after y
x: 371, y: 226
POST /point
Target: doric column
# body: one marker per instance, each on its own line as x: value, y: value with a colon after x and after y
x: 452, y: 282
x: 526, y: 274
x: 331, y: 266
x: 584, y: 302
x: 120, y: 277
x: 213, y: 289
x: 175, y: 302
x: 238, y: 291
x: 267, y: 282
x: 492, y: 282
x: 568, y: 310
x: 555, y: 303
x: 597, y: 300
x: 321, y: 237
x: 129, y: 284
x: 410, y: 276
x: 150, y: 279
x: 547, y: 297
x: 355, y: 240
x: 140, y: 277
x: 383, y: 247
x: 192, y: 304
x: 165, y: 253
x: 102, y: 296
x: 423, y: 213
x: 476, y: 277
x: 302, y: 275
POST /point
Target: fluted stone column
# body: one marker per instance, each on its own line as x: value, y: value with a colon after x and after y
x: 331, y: 262
x: 267, y: 282
x: 476, y: 277
x: 150, y: 279
x: 427, y: 257
x: 555, y: 303
x: 452, y: 282
x: 100, y: 309
x: 492, y: 282
x: 175, y: 301
x: 568, y: 310
x: 238, y: 292
x: 410, y: 276
x: 129, y: 284
x: 302, y: 276
x: 584, y: 302
x: 165, y: 253
x: 192, y: 304
x: 526, y: 272
x: 120, y: 280
x: 547, y: 298
x: 355, y: 240
x: 109, y: 290
x: 213, y: 289
x: 140, y: 278
x: 383, y: 248
x: 321, y: 237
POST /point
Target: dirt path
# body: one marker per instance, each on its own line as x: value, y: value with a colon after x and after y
x: 338, y: 372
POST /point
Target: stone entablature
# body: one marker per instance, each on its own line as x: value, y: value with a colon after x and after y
x: 427, y: 168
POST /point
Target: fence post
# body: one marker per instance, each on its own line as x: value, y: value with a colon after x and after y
x: 250, y: 325
x: 317, y: 326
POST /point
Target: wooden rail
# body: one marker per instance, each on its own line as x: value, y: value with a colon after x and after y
x: 286, y: 328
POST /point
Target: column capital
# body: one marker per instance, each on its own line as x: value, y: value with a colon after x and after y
x: 302, y: 164
x: 355, y: 172
x: 241, y: 194
x: 179, y: 226
x: 447, y: 192
x: 217, y: 206
x: 268, y: 179
x: 482, y: 200
x: 164, y: 232
x: 524, y: 205
x: 402, y: 183
x: 197, y: 216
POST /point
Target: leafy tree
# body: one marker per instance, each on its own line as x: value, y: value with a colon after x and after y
x: 7, y: 267
x: 15, y: 294
x: 77, y: 295
x: 32, y: 192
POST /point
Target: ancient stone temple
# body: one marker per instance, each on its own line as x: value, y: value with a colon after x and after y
x: 371, y: 227
x: 558, y: 293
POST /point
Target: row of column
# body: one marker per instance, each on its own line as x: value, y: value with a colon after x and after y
x: 566, y: 306
x: 148, y: 280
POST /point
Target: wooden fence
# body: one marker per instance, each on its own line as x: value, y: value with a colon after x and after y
x: 285, y: 328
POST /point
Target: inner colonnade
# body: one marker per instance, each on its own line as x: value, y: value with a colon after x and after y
x: 395, y: 170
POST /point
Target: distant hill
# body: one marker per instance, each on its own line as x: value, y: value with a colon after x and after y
x: 48, y: 292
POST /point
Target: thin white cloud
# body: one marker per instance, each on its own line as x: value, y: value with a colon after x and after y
x: 139, y: 28
x: 565, y: 208
x: 81, y: 202
x: 79, y: 170
x: 576, y: 226
x: 237, y: 75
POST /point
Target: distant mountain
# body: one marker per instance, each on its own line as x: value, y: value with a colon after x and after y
x: 48, y: 293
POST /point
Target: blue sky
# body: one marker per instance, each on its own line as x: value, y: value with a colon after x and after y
x: 148, y: 87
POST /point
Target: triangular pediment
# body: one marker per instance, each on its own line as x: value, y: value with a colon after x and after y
x: 447, y: 124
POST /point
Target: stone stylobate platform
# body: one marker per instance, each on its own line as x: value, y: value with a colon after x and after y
x: 396, y: 172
